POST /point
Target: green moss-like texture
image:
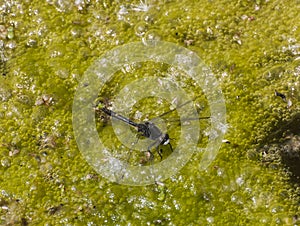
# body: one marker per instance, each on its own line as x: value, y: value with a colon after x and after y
x: 252, y: 47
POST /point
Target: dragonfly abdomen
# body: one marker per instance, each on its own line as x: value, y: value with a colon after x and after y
x: 119, y: 117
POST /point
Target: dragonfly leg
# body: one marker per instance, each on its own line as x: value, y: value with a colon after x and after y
x: 151, y: 157
x: 150, y: 147
x: 171, y: 147
x: 159, y: 152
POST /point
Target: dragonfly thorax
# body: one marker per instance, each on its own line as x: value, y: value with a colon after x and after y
x: 150, y: 130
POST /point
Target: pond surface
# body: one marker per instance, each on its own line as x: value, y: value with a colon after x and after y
x: 252, y: 48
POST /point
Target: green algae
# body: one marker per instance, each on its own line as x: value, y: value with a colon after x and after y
x: 251, y: 46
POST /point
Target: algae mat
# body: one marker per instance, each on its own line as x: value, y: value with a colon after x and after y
x: 252, y: 48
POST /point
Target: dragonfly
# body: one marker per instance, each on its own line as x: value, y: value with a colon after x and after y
x: 146, y: 129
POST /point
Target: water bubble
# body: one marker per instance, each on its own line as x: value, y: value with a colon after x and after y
x: 31, y: 42
x: 4, y: 94
x: 3, y: 32
x: 140, y: 29
x: 11, y: 44
x: 10, y: 33
x: 62, y: 72
x: 24, y: 99
x: 63, y: 5
x: 239, y: 181
x: 152, y: 35
x: 150, y: 17
x: 5, y: 162
x: 210, y: 220
x: 76, y: 32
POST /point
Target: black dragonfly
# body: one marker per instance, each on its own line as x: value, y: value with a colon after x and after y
x: 147, y: 129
